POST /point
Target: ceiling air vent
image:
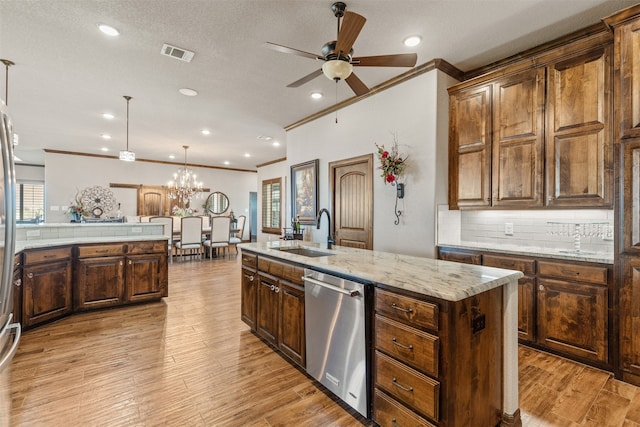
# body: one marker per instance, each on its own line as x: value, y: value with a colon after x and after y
x: 177, y: 53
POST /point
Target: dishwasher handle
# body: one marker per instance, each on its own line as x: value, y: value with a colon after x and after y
x: 350, y: 292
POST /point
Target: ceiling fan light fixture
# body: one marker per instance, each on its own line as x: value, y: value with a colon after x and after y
x: 316, y: 95
x: 108, y: 30
x: 412, y: 41
x: 337, y: 69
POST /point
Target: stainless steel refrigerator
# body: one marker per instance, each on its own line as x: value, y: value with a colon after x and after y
x: 9, y: 331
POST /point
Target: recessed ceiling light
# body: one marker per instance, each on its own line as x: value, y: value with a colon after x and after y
x: 316, y: 95
x: 106, y: 136
x: 264, y: 137
x: 226, y: 162
x: 108, y: 116
x: 247, y: 155
x: 206, y: 132
x: 171, y: 156
x: 412, y: 41
x: 188, y: 92
x: 108, y: 30
x: 104, y: 149
x: 276, y: 144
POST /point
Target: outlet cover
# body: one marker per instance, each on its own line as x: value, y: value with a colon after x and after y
x: 508, y: 229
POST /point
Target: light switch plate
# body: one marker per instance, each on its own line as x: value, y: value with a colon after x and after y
x: 508, y: 229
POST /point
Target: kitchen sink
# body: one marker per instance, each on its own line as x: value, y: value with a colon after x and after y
x: 299, y: 250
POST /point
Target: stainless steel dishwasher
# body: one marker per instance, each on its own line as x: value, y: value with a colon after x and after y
x: 336, y: 336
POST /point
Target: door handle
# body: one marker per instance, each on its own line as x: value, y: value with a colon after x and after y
x: 350, y: 292
x: 7, y: 357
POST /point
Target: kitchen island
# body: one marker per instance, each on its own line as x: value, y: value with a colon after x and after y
x: 443, y: 336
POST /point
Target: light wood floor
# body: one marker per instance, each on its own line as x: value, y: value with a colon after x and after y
x: 190, y: 361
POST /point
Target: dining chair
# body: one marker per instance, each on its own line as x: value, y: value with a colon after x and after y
x: 206, y: 226
x: 132, y: 218
x: 145, y: 218
x: 237, y: 238
x: 219, y: 234
x: 190, y: 235
x: 167, y: 221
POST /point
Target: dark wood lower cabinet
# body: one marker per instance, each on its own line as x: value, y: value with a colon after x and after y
x: 273, y: 304
x: 292, y: 331
x: 17, y: 288
x: 629, y: 317
x: 47, y: 292
x: 99, y: 282
x: 54, y: 283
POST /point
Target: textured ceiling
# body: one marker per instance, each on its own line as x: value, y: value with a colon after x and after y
x: 67, y: 73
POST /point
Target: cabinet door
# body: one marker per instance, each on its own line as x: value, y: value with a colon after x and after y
x: 578, y: 143
x: 144, y: 277
x: 526, y: 309
x: 470, y: 148
x: 292, y: 330
x: 249, y: 303
x: 267, y: 318
x: 99, y: 282
x: 47, y: 292
x: 630, y: 196
x: 630, y: 320
x: 518, y: 140
x: 572, y: 318
x: 628, y: 63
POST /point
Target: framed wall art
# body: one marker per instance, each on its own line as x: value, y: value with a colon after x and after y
x: 304, y: 192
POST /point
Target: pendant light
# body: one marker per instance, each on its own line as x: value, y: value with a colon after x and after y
x: 126, y: 155
x: 7, y: 64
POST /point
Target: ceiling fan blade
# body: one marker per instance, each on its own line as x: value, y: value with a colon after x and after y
x: 285, y: 49
x: 352, y: 23
x: 399, y: 60
x: 356, y: 85
x: 306, y: 78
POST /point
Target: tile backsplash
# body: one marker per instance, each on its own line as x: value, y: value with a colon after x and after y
x: 527, y: 228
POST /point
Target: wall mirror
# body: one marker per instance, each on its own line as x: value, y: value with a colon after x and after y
x: 217, y: 203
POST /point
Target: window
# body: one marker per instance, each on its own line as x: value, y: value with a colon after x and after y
x: 271, y: 190
x: 29, y: 202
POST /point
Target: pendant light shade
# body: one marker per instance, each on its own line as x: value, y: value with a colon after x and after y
x: 126, y: 155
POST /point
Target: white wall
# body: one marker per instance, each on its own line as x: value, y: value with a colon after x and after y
x: 417, y: 111
x: 67, y: 174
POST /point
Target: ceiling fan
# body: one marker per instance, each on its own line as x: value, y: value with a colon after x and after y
x: 338, y: 54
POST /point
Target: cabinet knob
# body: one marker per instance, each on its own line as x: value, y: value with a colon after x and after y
x: 394, y: 423
x: 251, y: 278
x: 18, y: 282
x: 273, y: 287
x: 121, y: 263
x: 130, y: 262
x: 277, y: 289
x: 541, y: 288
x: 30, y: 275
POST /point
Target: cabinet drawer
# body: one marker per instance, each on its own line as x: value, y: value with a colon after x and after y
x: 249, y: 260
x: 405, y: 309
x: 289, y: 272
x: 582, y: 273
x: 409, y: 345
x: 147, y: 247
x: 458, y: 255
x: 408, y: 385
x: 389, y: 413
x: 527, y: 266
x: 100, y: 250
x: 46, y: 255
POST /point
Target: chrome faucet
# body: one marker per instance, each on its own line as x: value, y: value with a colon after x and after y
x: 330, y: 240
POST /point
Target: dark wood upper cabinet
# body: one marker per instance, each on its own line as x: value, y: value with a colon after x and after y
x: 470, y: 148
x: 535, y: 134
x: 578, y: 146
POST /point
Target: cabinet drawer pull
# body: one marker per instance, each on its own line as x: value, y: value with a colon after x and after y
x: 277, y: 289
x: 541, y: 288
x: 576, y: 273
x: 18, y: 282
x: 251, y: 278
x: 406, y: 347
x: 273, y: 287
x: 30, y: 275
x: 102, y: 251
x: 50, y: 256
x: 394, y: 423
x: 401, y: 387
x: 121, y: 263
x: 404, y: 310
x: 130, y: 262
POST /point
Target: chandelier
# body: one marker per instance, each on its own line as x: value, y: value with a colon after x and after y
x: 185, y: 185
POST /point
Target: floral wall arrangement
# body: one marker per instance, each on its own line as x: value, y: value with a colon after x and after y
x: 392, y: 165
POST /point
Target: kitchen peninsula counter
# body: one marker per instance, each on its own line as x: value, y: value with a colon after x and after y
x: 448, y: 329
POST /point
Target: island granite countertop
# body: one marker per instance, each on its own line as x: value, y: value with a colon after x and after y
x: 446, y: 280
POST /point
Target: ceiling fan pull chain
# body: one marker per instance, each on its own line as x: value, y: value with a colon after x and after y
x: 336, y: 101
